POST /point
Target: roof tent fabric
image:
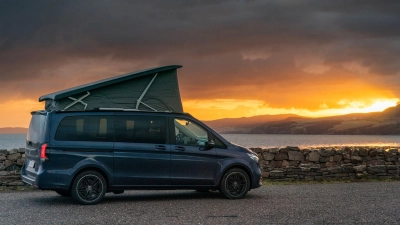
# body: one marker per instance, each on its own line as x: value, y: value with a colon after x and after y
x: 153, y: 89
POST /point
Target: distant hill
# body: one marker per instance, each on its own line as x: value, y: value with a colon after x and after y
x: 378, y: 123
x: 245, y: 124
x: 13, y: 130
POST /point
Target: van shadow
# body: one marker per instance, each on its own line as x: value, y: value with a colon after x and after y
x: 132, y: 196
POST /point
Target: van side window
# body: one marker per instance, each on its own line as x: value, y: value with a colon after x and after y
x: 189, y: 133
x: 140, y: 129
x: 86, y: 128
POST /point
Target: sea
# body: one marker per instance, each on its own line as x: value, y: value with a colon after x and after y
x: 11, y: 141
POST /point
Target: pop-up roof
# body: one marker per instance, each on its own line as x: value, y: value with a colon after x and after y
x: 153, y: 89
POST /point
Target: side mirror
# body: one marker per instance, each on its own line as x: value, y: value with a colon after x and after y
x: 210, y: 144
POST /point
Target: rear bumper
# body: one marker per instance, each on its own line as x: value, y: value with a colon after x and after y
x: 28, y: 180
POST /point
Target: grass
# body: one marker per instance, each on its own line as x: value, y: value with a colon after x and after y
x: 267, y: 182
x: 16, y: 188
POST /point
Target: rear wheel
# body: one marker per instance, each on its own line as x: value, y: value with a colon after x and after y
x: 89, y: 188
x: 235, y: 184
x: 64, y: 193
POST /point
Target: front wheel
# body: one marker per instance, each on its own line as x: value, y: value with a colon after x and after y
x: 89, y: 188
x: 235, y: 184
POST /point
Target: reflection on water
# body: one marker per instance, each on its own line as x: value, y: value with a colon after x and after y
x: 283, y: 140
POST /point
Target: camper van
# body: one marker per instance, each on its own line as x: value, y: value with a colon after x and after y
x: 78, y: 149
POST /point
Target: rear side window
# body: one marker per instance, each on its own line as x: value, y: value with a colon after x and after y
x: 140, y: 129
x: 86, y: 128
x: 36, y: 130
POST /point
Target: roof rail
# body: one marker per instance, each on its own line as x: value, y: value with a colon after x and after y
x: 122, y: 109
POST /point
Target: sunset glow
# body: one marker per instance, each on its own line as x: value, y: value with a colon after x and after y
x: 234, y: 108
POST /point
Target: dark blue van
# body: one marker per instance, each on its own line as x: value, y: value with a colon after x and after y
x: 85, y: 154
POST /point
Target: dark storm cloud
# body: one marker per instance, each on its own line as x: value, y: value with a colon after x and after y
x: 40, y: 41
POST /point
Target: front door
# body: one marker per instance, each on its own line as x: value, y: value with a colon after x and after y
x: 191, y: 162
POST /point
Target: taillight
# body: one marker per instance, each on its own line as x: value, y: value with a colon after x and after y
x: 43, y: 151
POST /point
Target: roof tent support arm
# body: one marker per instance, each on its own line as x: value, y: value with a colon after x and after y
x: 76, y: 101
x: 144, y: 92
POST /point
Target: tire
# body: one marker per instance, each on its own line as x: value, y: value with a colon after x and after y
x: 235, y: 184
x: 64, y: 193
x: 89, y: 188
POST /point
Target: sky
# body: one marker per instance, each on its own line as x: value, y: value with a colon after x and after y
x: 240, y: 58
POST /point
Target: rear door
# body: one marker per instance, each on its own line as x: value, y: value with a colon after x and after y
x: 141, y: 152
x: 34, y: 139
x: 191, y: 162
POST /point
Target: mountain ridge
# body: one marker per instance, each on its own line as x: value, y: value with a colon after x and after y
x: 386, y: 122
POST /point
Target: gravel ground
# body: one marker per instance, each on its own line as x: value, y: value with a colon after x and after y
x: 343, y: 203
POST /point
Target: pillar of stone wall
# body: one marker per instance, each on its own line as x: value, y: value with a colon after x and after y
x: 327, y: 163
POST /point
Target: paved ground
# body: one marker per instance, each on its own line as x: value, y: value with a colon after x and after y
x: 345, y: 203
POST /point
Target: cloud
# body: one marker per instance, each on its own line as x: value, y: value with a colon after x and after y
x: 283, y: 53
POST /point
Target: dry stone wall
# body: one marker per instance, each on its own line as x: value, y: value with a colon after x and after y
x: 280, y: 164
x: 327, y: 163
x: 11, y: 162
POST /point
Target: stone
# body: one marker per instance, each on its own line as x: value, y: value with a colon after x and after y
x: 295, y: 156
x: 272, y: 150
x: 337, y: 158
x: 331, y: 164
x: 376, y: 169
x: 13, y: 151
x: 16, y: 183
x: 313, y: 156
x: 324, y: 159
x: 7, y: 163
x: 394, y: 151
x: 265, y: 174
x: 355, y: 152
x: 372, y: 152
x: 294, y: 163
x: 268, y: 156
x: 14, y: 156
x: 20, y: 162
x: 360, y: 168
x: 3, y: 157
x: 363, y: 152
x: 3, y: 151
x: 21, y: 150
x: 346, y: 156
x: 276, y: 164
x: 276, y: 174
x: 293, y: 148
x: 388, y: 154
x: 256, y: 150
x: 356, y: 159
x: 309, y: 178
x: 281, y: 156
x: 3, y: 173
x: 326, y: 152
x: 285, y: 163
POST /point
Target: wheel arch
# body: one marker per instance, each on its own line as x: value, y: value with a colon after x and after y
x: 239, y: 166
x: 88, y: 168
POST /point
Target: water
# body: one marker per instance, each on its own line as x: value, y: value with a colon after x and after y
x: 10, y: 141
x: 283, y: 140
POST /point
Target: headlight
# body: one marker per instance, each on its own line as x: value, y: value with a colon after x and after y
x: 253, y: 157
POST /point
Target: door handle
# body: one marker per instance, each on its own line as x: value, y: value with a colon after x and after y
x: 161, y: 147
x: 179, y: 148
